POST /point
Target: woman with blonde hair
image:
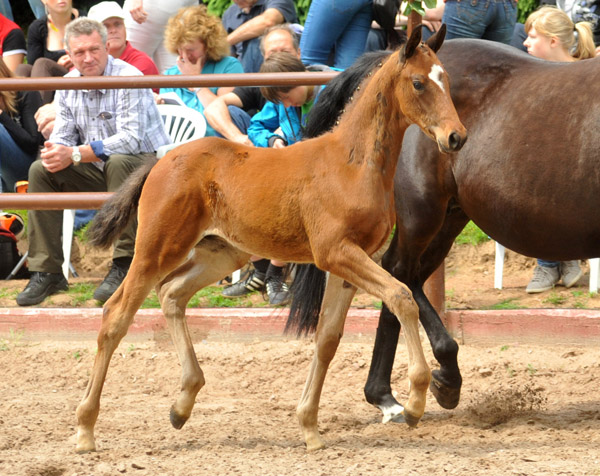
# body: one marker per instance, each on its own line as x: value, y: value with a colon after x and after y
x: 200, y: 42
x: 553, y: 36
x: 19, y: 137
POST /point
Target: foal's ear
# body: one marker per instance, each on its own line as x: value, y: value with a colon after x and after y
x: 435, y: 41
x: 411, y: 45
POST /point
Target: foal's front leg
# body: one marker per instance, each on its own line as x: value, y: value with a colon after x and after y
x: 336, y: 302
x: 354, y: 265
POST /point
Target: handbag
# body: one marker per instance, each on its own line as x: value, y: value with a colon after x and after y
x: 384, y: 13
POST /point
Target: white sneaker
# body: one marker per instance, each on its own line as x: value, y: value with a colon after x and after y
x: 544, y: 279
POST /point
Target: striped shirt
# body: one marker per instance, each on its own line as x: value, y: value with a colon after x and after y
x: 112, y: 121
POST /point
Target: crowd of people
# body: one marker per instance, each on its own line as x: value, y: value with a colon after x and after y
x: 91, y: 140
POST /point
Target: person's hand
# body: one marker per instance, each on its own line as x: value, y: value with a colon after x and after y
x: 598, y: 51
x: 157, y: 98
x: 187, y: 67
x: 56, y: 157
x: 65, y: 61
x: 45, y: 117
x: 278, y: 144
x: 243, y: 139
x: 137, y: 11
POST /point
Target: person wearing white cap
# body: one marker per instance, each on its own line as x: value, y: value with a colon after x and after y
x: 146, y: 21
x: 112, y: 16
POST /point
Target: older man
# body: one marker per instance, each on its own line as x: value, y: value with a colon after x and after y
x: 247, y: 20
x: 100, y: 137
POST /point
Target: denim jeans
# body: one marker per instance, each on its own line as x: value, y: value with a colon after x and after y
x: 38, y: 8
x: 487, y: 19
x: 6, y: 10
x: 343, y: 24
x: 548, y: 264
x: 14, y: 163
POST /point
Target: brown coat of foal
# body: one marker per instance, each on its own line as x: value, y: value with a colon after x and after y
x: 210, y: 204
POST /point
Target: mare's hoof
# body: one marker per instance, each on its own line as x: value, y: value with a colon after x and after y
x: 411, y: 420
x: 447, y: 397
x: 177, y: 420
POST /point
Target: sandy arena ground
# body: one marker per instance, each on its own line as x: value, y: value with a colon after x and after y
x: 525, y: 410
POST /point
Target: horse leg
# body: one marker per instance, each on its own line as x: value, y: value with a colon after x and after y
x: 210, y: 261
x: 117, y: 316
x: 336, y: 302
x: 354, y: 265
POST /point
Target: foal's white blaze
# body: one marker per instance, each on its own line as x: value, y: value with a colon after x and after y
x: 436, y: 75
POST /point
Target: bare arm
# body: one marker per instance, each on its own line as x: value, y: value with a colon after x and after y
x: 12, y: 61
x: 256, y: 26
x: 217, y: 115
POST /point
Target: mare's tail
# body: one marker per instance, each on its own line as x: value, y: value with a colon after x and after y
x: 118, y: 210
x: 307, y: 295
x: 308, y: 287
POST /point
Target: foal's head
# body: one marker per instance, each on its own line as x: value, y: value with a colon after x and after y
x: 425, y: 92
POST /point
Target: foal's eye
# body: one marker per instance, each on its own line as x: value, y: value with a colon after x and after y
x: 418, y: 85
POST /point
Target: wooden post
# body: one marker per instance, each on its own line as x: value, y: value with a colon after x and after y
x: 414, y: 20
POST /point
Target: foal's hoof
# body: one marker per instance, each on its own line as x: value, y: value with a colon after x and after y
x: 177, y: 420
x: 410, y: 420
x: 447, y: 397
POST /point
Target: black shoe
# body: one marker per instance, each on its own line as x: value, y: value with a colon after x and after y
x: 278, y: 291
x: 254, y: 282
x: 40, y: 286
x: 111, y: 282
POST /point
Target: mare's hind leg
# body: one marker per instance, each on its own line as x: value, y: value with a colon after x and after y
x: 336, y: 301
x: 353, y: 264
x: 211, y: 260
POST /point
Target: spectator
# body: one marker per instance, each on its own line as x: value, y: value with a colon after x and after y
x: 146, y: 21
x: 111, y: 15
x: 493, y: 21
x: 229, y: 115
x: 46, y: 56
x: 12, y: 43
x: 551, y: 36
x: 100, y: 137
x: 278, y: 124
x: 118, y: 47
x: 19, y: 137
x: 247, y: 20
x: 339, y: 26
x: 200, y: 41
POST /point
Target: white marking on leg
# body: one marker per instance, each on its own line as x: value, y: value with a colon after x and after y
x: 391, y: 413
x: 436, y: 75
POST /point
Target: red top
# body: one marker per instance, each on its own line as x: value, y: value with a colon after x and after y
x: 12, y: 39
x: 139, y: 59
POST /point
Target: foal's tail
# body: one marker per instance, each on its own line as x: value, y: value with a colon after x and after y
x: 307, y: 291
x: 117, y: 211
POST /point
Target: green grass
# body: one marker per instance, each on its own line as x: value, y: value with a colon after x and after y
x: 471, y: 235
x: 511, y: 303
x: 555, y: 299
x: 208, y: 297
x: 80, y: 293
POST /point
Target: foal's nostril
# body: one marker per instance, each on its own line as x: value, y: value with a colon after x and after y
x: 454, y: 141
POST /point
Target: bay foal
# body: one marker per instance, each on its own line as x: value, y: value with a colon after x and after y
x: 209, y: 205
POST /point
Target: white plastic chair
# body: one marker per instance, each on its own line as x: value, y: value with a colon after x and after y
x: 182, y: 123
x: 499, y: 268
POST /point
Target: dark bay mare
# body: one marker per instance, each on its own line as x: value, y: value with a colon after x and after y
x: 529, y: 176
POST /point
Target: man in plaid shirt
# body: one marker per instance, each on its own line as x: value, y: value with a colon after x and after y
x: 99, y: 138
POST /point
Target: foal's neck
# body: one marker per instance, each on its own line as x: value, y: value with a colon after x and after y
x: 373, y: 127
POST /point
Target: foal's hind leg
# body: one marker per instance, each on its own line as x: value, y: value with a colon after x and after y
x: 353, y: 264
x: 117, y: 316
x: 210, y: 261
x: 336, y: 301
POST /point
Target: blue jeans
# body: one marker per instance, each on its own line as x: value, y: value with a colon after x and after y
x: 240, y: 118
x: 343, y: 24
x: 14, y: 163
x: 487, y: 19
x: 548, y: 264
x: 38, y: 8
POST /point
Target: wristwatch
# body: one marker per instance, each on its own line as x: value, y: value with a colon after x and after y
x: 76, y: 156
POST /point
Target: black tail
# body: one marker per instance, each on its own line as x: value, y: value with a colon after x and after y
x: 308, y: 287
x: 307, y: 295
x: 118, y: 210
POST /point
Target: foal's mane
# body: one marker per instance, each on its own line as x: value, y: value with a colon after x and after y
x: 338, y: 92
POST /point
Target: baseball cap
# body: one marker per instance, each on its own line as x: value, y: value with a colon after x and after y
x: 104, y: 10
